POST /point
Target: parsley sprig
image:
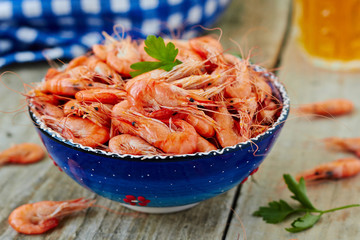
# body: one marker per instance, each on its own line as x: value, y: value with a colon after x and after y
x: 277, y: 211
x: 156, y: 48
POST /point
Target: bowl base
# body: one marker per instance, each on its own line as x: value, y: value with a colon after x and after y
x: 159, y: 210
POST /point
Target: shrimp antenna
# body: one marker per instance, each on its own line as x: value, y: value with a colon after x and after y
x: 116, y: 31
x: 50, y: 61
x: 211, y: 29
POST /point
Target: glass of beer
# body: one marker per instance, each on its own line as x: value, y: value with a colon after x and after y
x: 329, y: 32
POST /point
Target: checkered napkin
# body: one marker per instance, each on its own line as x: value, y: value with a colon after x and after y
x: 33, y: 30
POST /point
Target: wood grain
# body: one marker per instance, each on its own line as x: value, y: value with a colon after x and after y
x: 43, y: 181
x: 256, y: 25
x: 299, y: 147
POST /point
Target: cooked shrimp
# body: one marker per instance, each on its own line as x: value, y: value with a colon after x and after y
x: 82, y: 131
x: 208, y: 48
x: 37, y: 95
x: 120, y: 55
x: 45, y: 108
x: 202, y: 124
x: 226, y: 134
x: 332, y: 107
x: 344, y: 144
x: 266, y: 115
x: 104, y: 71
x: 91, y: 68
x: 68, y: 86
x: 185, y: 50
x: 103, y: 95
x: 246, y: 109
x: 78, y: 61
x: 204, y: 145
x: 177, y: 137
x: 341, y: 168
x: 51, y: 73
x: 241, y: 83
x: 195, y: 81
x: 188, y: 68
x: 39, y: 217
x: 96, y: 112
x: 23, y: 153
x: 100, y: 51
x: 142, y: 93
x: 128, y: 144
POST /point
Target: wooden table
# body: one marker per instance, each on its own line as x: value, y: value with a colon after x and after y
x: 263, y: 24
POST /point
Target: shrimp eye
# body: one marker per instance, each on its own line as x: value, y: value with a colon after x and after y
x: 200, y: 106
x: 191, y: 100
x: 329, y: 173
x: 90, y: 85
x: 133, y: 123
x: 96, y: 108
x: 72, y: 107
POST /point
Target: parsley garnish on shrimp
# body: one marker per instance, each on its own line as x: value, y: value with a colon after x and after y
x: 156, y: 48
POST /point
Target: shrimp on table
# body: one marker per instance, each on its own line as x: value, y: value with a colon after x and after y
x: 332, y: 107
x: 344, y: 144
x: 341, y: 168
x: 128, y: 144
x: 82, y: 131
x: 39, y: 217
x: 23, y: 153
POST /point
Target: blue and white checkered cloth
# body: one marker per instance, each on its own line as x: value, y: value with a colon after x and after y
x: 33, y: 30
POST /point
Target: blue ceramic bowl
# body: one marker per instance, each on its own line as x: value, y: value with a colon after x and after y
x: 160, y: 184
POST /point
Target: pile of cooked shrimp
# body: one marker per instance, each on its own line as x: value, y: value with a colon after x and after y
x: 210, y: 100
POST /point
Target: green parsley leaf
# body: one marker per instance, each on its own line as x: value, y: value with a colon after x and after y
x: 278, y: 211
x: 275, y: 212
x: 299, y: 190
x: 303, y: 223
x: 156, y: 48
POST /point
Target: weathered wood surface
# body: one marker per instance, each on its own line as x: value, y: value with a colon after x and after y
x: 258, y: 26
x: 43, y: 181
x: 299, y: 148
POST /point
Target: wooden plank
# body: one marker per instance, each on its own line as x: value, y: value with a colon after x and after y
x: 299, y: 148
x: 257, y: 24
x: 42, y: 181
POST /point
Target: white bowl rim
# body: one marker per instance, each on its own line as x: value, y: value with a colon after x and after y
x: 283, y: 115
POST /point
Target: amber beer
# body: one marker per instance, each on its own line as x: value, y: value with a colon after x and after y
x: 329, y: 32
